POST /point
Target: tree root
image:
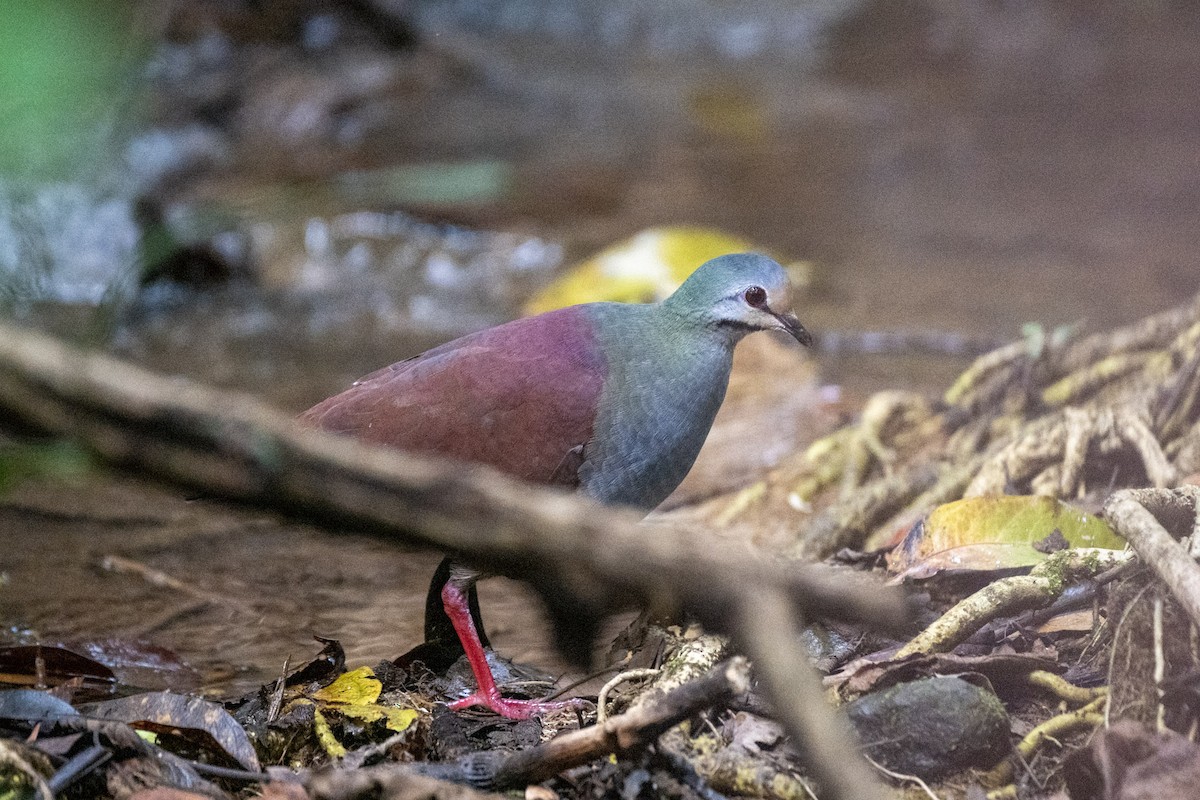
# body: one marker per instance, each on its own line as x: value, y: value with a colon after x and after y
x: 732, y: 771
x: 1044, y: 583
x: 1089, y: 716
x: 1136, y: 515
x: 1063, y: 689
x: 1035, y: 416
x: 849, y: 523
x: 889, y: 421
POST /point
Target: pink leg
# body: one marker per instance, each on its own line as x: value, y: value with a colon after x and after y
x: 454, y: 599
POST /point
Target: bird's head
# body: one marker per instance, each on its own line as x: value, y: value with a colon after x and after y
x: 740, y: 293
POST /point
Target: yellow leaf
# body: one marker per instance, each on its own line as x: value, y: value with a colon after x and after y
x: 325, y: 737
x: 357, y: 687
x: 394, y: 719
x: 996, y: 533
x: 647, y: 267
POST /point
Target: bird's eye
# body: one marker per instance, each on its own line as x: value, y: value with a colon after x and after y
x: 755, y: 296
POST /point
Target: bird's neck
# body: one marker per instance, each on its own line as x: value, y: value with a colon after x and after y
x: 676, y: 354
x: 667, y: 378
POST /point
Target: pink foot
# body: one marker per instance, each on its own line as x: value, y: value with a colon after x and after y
x: 514, y: 709
x: 454, y: 599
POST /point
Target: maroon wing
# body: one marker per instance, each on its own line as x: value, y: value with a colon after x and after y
x: 520, y: 397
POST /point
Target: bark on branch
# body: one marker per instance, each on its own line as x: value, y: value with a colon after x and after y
x: 1143, y: 517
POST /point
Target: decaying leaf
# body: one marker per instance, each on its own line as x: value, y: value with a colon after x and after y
x: 33, y: 665
x: 353, y: 695
x: 166, y: 712
x: 996, y: 533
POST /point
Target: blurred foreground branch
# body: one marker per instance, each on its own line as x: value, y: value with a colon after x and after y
x: 586, y: 559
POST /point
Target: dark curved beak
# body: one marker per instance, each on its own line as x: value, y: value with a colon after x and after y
x: 792, y: 325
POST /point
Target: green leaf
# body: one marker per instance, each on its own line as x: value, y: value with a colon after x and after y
x: 59, y: 460
x: 437, y: 184
x: 996, y: 533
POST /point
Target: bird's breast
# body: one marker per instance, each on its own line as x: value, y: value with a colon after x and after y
x: 653, y: 418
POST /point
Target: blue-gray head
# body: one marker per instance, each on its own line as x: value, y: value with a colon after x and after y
x: 739, y: 293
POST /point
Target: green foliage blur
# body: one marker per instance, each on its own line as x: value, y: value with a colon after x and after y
x: 52, y: 460
x: 64, y: 69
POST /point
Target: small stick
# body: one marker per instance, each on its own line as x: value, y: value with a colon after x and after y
x: 277, y: 695
x: 625, y: 733
x: 900, y: 776
x: 156, y: 577
x: 1088, y: 716
x: 617, y: 680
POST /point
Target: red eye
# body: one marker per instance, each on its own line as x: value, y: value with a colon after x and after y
x: 755, y: 296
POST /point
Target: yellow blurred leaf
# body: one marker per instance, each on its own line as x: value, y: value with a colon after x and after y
x: 394, y: 719
x: 996, y: 533
x: 647, y: 267
x: 325, y: 737
x: 357, y: 687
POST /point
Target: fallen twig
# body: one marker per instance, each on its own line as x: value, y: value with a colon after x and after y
x: 617, y: 680
x: 628, y: 732
x: 593, y: 558
x: 621, y: 735
x: 156, y: 577
x: 900, y: 776
x: 734, y: 772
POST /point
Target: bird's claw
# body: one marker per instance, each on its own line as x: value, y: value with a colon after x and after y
x: 514, y: 709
